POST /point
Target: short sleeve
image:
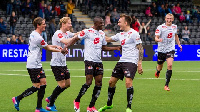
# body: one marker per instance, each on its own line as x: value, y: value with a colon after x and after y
x: 104, y: 41
x: 138, y: 39
x: 175, y: 29
x: 115, y: 37
x: 83, y: 34
x: 41, y: 43
x: 59, y: 37
x: 158, y: 31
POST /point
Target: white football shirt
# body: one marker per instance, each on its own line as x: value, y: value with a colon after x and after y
x: 58, y: 59
x: 167, y: 34
x: 128, y: 41
x: 93, y: 44
x: 36, y: 43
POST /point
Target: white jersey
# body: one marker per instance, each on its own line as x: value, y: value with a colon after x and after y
x: 36, y: 43
x: 167, y: 34
x: 128, y: 41
x: 58, y: 59
x: 93, y: 44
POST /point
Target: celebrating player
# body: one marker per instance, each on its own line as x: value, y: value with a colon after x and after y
x: 129, y: 63
x: 34, y: 65
x: 58, y: 61
x: 166, y: 34
x: 94, y: 43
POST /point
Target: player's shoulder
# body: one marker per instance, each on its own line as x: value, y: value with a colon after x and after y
x: 174, y: 26
x: 133, y: 32
x: 101, y: 32
x: 58, y: 33
x: 35, y: 34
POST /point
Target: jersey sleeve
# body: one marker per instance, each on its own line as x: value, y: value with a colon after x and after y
x: 41, y: 43
x: 158, y: 31
x: 83, y: 34
x: 104, y: 41
x: 175, y: 29
x: 115, y: 37
x: 137, y: 39
x: 59, y: 37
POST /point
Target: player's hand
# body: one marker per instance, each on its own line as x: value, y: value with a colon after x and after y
x: 58, y: 47
x: 119, y: 48
x: 64, y: 51
x: 180, y: 48
x: 160, y: 40
x: 140, y: 71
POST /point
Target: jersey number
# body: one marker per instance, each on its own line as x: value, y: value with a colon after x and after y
x: 96, y: 40
x: 169, y: 35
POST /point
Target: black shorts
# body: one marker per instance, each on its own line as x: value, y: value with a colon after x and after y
x: 163, y: 56
x: 93, y: 68
x: 60, y: 72
x: 126, y: 69
x: 36, y: 74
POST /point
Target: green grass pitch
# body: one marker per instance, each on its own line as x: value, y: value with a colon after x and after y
x: 149, y: 95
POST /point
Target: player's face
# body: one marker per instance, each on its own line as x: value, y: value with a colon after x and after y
x: 68, y: 25
x: 169, y: 20
x: 42, y: 26
x: 100, y: 24
x: 121, y: 23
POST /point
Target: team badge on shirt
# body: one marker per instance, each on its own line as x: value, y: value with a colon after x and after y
x: 96, y: 40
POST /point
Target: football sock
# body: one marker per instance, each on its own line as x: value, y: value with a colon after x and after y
x: 55, y: 94
x: 157, y: 70
x: 130, y: 92
x: 40, y: 95
x: 111, y: 92
x: 95, y: 95
x: 168, y: 76
x: 82, y: 92
x: 27, y: 92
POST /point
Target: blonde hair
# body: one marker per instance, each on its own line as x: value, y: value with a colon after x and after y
x: 64, y: 20
x: 170, y: 15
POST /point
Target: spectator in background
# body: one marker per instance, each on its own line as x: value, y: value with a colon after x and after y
x: 52, y: 27
x: 27, y: 7
x: 154, y: 9
x: 17, y: 7
x: 47, y: 12
x: 107, y: 19
x: 179, y: 34
x: 20, y: 40
x: 161, y: 10
x: 42, y: 6
x: 173, y: 9
x: 185, y: 34
x: 182, y: 17
x: 115, y: 16
x: 8, y: 40
x: 149, y: 38
x: 167, y: 9
x: 135, y: 24
x: 148, y: 11
x: 143, y: 30
x: 178, y: 9
x: 9, y: 7
x: 70, y: 7
x: 13, y: 40
x: 13, y: 22
x: 125, y: 4
x: 53, y: 14
x: 3, y: 26
x: 188, y: 17
x: 62, y: 9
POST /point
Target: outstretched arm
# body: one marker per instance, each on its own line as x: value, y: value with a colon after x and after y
x: 70, y: 43
x: 108, y: 39
x: 178, y: 42
x: 141, y: 51
x: 105, y: 48
x: 53, y: 48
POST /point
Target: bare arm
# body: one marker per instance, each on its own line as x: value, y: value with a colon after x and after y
x: 141, y: 51
x: 105, y: 48
x: 178, y: 42
x: 70, y: 43
x: 148, y: 23
x: 108, y: 39
x: 53, y: 48
x: 158, y: 39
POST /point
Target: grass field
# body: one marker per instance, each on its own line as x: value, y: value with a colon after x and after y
x: 149, y: 95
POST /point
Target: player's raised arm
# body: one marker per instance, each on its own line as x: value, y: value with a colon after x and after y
x: 141, y: 52
x: 178, y: 42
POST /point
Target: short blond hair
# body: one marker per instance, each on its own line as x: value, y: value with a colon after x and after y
x: 64, y: 20
x: 170, y: 15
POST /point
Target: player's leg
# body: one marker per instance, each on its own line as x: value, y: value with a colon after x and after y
x: 36, y: 85
x: 168, y: 73
x: 41, y: 92
x: 129, y: 72
x: 160, y: 61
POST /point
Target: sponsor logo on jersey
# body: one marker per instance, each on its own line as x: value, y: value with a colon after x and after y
x: 91, y: 31
x: 42, y: 42
x: 60, y: 35
x: 82, y: 33
x: 157, y: 31
x: 164, y: 26
x: 123, y: 42
x: 122, y: 33
x: 129, y: 33
x: 96, y: 40
x: 173, y: 26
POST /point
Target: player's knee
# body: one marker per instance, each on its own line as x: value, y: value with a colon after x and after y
x: 128, y: 84
x: 98, y: 83
x: 89, y: 83
x: 111, y: 83
x: 62, y: 85
x: 68, y: 85
x: 169, y: 66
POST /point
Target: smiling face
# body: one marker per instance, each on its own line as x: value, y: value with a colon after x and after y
x: 42, y: 26
x: 122, y: 23
x: 98, y: 23
x: 169, y: 18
